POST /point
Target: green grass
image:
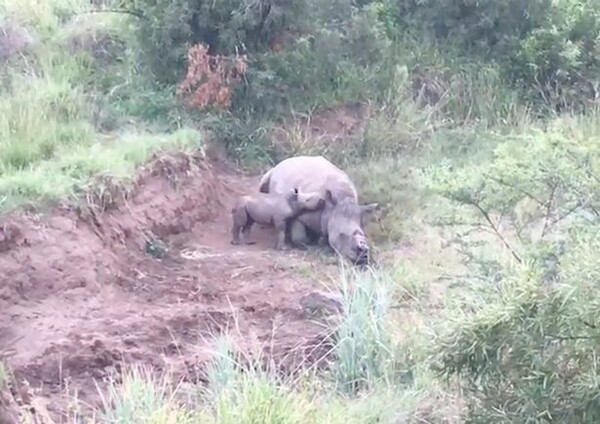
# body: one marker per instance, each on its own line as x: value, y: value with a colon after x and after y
x: 142, y: 397
x: 74, y: 103
x: 71, y: 170
x: 364, y: 348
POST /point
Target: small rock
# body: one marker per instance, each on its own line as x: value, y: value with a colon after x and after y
x: 322, y: 303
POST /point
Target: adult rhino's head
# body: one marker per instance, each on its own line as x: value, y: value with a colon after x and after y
x: 345, y: 220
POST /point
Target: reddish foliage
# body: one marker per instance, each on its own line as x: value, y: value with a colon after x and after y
x: 210, y: 78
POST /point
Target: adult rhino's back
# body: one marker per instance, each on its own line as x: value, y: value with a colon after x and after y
x: 308, y: 173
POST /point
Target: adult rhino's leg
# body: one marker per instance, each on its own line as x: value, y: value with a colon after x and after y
x: 305, y: 229
x: 323, y: 241
x: 298, y: 234
x: 324, y: 245
x: 312, y: 236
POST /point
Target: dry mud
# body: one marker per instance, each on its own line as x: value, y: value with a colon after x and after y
x: 81, y: 295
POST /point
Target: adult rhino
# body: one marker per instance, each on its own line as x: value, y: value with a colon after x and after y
x: 342, y: 221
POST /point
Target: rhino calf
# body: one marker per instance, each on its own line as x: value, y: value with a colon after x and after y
x: 271, y: 209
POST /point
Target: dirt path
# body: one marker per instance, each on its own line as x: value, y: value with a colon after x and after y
x: 80, y: 296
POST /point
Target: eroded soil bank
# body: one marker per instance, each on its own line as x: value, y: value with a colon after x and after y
x: 83, y: 291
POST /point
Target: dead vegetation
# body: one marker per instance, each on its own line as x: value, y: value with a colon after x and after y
x: 210, y: 79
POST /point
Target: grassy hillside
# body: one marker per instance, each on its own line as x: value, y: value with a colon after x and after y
x: 75, y: 102
x: 481, y: 140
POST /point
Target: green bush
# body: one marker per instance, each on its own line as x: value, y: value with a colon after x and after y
x: 523, y: 336
x: 526, y: 350
x: 547, y: 48
x: 168, y: 28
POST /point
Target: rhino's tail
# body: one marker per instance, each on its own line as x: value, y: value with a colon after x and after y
x: 264, y: 182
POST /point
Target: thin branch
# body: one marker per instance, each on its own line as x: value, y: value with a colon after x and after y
x: 486, y: 216
x: 566, y: 214
x: 526, y: 193
x: 133, y: 12
x: 589, y: 324
x: 586, y: 170
x: 549, y: 209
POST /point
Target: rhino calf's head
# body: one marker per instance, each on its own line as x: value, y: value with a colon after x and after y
x: 311, y: 200
x: 344, y: 223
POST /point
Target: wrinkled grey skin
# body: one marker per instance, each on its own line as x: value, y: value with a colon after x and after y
x: 341, y: 222
x: 271, y: 209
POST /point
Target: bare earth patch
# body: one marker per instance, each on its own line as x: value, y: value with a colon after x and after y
x: 80, y: 294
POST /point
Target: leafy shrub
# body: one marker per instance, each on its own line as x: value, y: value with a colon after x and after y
x: 527, y: 350
x: 524, y: 336
x: 169, y: 28
x: 547, y: 48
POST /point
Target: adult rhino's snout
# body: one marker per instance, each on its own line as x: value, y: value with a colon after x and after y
x: 361, y: 252
x: 362, y: 246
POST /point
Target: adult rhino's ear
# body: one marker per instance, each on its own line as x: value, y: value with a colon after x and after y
x: 367, y: 210
x: 329, y: 197
x: 370, y: 208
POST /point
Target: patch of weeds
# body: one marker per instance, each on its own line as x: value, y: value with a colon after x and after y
x: 381, y: 405
x: 409, y: 286
x: 306, y: 270
x: 142, y: 396
x: 104, y: 193
x: 246, y: 140
x: 389, y: 182
x: 72, y: 172
x: 364, y: 350
x: 81, y: 78
x: 396, y: 129
x: 37, y: 119
x: 240, y: 394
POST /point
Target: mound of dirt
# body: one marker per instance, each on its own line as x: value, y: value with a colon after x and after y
x: 81, y: 294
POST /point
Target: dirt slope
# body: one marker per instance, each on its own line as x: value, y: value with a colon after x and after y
x: 80, y: 295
